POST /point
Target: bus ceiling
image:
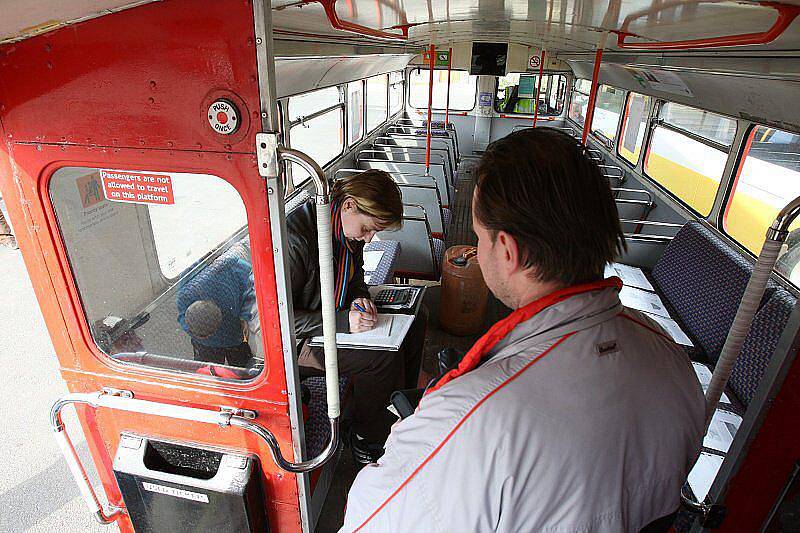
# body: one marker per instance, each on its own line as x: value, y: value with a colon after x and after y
x: 569, y: 27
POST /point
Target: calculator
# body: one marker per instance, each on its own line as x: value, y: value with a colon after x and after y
x: 393, y: 297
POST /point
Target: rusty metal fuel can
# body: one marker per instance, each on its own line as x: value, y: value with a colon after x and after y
x: 462, y: 307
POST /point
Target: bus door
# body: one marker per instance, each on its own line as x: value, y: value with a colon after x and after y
x: 150, y: 236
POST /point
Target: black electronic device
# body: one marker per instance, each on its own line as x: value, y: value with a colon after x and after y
x: 489, y: 59
x: 393, y: 297
x: 184, y: 488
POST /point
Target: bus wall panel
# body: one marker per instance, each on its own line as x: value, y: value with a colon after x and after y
x: 143, y: 77
x: 768, y: 96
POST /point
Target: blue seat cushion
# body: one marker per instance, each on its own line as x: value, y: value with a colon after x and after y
x: 447, y: 217
x: 703, y: 280
x: 760, y: 344
x: 384, y: 273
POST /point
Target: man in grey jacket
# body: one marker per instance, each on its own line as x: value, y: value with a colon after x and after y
x: 571, y: 414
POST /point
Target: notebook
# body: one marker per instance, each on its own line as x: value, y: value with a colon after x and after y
x: 388, y: 334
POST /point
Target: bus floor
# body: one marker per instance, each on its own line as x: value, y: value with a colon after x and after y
x: 332, y: 515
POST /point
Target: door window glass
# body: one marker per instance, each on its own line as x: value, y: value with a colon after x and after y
x: 162, y: 266
x: 579, y: 101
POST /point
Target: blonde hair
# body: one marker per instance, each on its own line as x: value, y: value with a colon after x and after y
x: 375, y: 193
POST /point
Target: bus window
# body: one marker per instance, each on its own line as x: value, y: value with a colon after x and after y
x: 355, y: 112
x: 633, y: 127
x: 515, y: 94
x: 579, y: 101
x: 687, y: 153
x: 377, y: 105
x: 397, y: 88
x: 322, y: 135
x: 767, y: 180
x: 463, y: 89
x: 607, y: 110
x: 162, y: 266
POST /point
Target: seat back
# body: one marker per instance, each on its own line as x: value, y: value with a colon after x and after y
x: 418, y: 251
x: 410, y: 141
x: 406, y: 167
x: 703, y: 279
x: 760, y: 344
x: 419, y: 153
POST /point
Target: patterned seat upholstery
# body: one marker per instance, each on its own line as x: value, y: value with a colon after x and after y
x: 317, y: 427
x: 385, y: 271
x: 703, y: 280
x: 447, y: 217
x: 760, y: 344
x: 438, y: 253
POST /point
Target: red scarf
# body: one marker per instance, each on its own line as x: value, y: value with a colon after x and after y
x: 503, y: 327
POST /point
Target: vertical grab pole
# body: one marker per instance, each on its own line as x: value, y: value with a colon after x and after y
x: 431, y: 53
x: 447, y: 106
x: 538, y: 90
x: 598, y: 58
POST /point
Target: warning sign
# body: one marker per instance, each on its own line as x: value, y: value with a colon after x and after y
x: 534, y: 62
x: 137, y: 187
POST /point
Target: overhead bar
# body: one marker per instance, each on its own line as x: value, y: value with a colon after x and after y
x: 598, y: 58
x: 786, y: 14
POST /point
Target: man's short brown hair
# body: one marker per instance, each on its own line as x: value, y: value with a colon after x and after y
x: 539, y: 186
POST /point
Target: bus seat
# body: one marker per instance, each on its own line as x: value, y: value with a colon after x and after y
x: 317, y: 427
x: 406, y: 167
x: 703, y: 279
x: 421, y: 255
x: 384, y: 273
x: 760, y: 344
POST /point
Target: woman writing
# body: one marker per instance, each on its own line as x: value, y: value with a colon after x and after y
x: 362, y: 205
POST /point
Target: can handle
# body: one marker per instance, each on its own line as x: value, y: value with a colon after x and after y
x: 461, y: 260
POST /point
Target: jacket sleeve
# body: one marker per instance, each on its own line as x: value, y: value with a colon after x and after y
x: 307, y: 323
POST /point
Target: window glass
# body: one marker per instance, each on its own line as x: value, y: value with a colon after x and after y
x: 309, y: 103
x: 688, y: 168
x: 322, y: 138
x: 515, y: 94
x: 607, y: 110
x: 463, y: 89
x: 633, y: 127
x: 355, y: 112
x: 162, y: 266
x: 768, y: 179
x: 579, y: 101
x: 705, y: 124
x: 377, y: 105
x: 396, y: 91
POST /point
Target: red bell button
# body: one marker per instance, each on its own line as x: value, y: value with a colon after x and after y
x: 223, y: 117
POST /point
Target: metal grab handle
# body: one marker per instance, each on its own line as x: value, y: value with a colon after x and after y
x: 126, y: 402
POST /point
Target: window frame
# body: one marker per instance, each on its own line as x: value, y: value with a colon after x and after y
x: 446, y: 108
x: 341, y: 106
x: 597, y: 134
x: 654, y: 122
x: 401, y: 82
x: 367, y: 130
x: 529, y: 115
x: 647, y: 127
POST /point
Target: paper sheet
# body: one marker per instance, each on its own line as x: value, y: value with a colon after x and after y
x: 704, y: 375
x: 630, y: 275
x: 387, y: 334
x: 721, y: 431
x: 642, y: 301
x: 371, y: 260
x: 672, y: 328
x: 703, y: 474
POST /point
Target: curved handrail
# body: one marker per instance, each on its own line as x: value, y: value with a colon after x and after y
x: 344, y: 25
x: 786, y: 14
